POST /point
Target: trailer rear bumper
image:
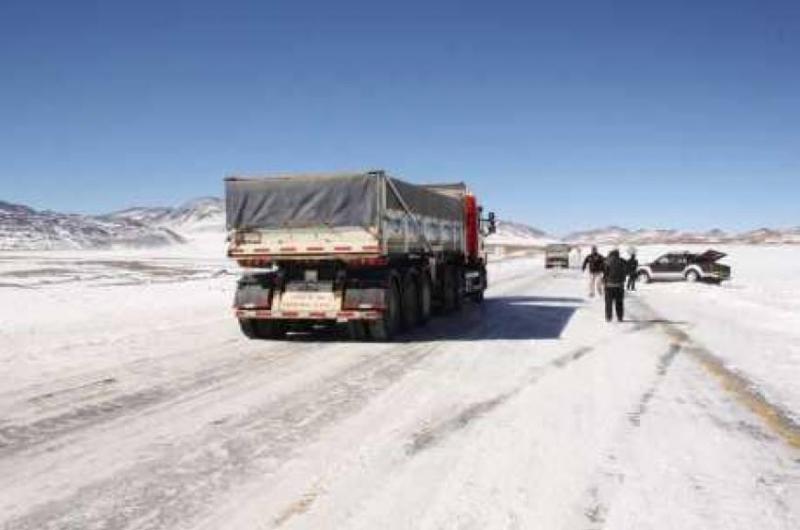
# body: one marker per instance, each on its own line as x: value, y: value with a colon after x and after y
x: 337, y: 316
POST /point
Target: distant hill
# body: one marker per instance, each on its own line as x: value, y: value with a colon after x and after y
x: 518, y: 234
x: 204, y: 214
x: 24, y: 228
x: 207, y: 214
x: 615, y: 235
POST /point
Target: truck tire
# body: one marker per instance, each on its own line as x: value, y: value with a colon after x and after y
x: 425, y: 298
x: 410, y: 305
x: 458, y: 287
x: 388, y: 325
x: 452, y: 295
x: 357, y: 330
x: 248, y: 327
x: 262, y: 329
x: 448, y: 301
x: 477, y: 297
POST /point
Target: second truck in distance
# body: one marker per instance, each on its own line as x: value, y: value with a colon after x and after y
x: 362, y: 250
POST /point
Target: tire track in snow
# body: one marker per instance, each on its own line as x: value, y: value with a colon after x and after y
x: 601, y: 493
x: 52, y: 426
x: 16, y: 437
x: 610, y: 477
x: 177, y: 486
x: 779, y: 420
x: 430, y: 436
x: 664, y: 363
x: 20, y: 437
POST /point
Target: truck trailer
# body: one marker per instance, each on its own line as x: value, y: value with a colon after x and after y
x: 366, y: 251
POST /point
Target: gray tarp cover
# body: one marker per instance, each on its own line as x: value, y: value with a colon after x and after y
x: 300, y: 201
x: 336, y: 200
x: 424, y: 201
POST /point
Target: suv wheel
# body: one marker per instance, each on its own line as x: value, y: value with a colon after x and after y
x: 643, y: 277
x: 692, y: 276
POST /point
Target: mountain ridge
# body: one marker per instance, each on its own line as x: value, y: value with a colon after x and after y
x: 618, y: 235
x: 25, y: 228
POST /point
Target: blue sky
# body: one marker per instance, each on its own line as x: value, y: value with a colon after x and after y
x: 563, y: 115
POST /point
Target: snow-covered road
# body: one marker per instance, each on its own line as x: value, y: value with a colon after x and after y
x: 145, y: 408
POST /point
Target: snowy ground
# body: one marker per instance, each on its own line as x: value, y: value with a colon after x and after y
x: 128, y: 399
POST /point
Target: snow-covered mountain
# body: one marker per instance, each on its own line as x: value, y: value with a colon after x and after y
x: 769, y: 236
x: 517, y: 234
x: 615, y: 235
x: 207, y: 214
x: 24, y: 228
x: 204, y: 214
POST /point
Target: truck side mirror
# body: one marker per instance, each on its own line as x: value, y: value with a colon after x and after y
x: 492, y: 223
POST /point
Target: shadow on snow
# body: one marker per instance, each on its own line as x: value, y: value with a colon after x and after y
x: 498, y: 318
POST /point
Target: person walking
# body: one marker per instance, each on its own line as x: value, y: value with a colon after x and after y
x: 633, y: 269
x: 614, y: 274
x: 595, y: 262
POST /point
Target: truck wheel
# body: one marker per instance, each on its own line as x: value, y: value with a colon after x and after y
x: 692, y: 276
x: 643, y: 277
x: 410, y: 302
x: 262, y: 329
x: 449, y: 288
x: 248, y: 326
x: 357, y: 330
x: 388, y: 325
x: 458, y: 287
x: 425, y: 298
x: 477, y: 296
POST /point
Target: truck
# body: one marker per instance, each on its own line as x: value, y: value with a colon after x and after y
x: 363, y: 251
x: 557, y: 255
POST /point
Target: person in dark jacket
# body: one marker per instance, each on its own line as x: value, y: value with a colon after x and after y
x: 595, y: 262
x: 614, y: 275
x: 633, y: 268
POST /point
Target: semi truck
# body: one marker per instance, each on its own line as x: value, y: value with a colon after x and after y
x: 363, y: 251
